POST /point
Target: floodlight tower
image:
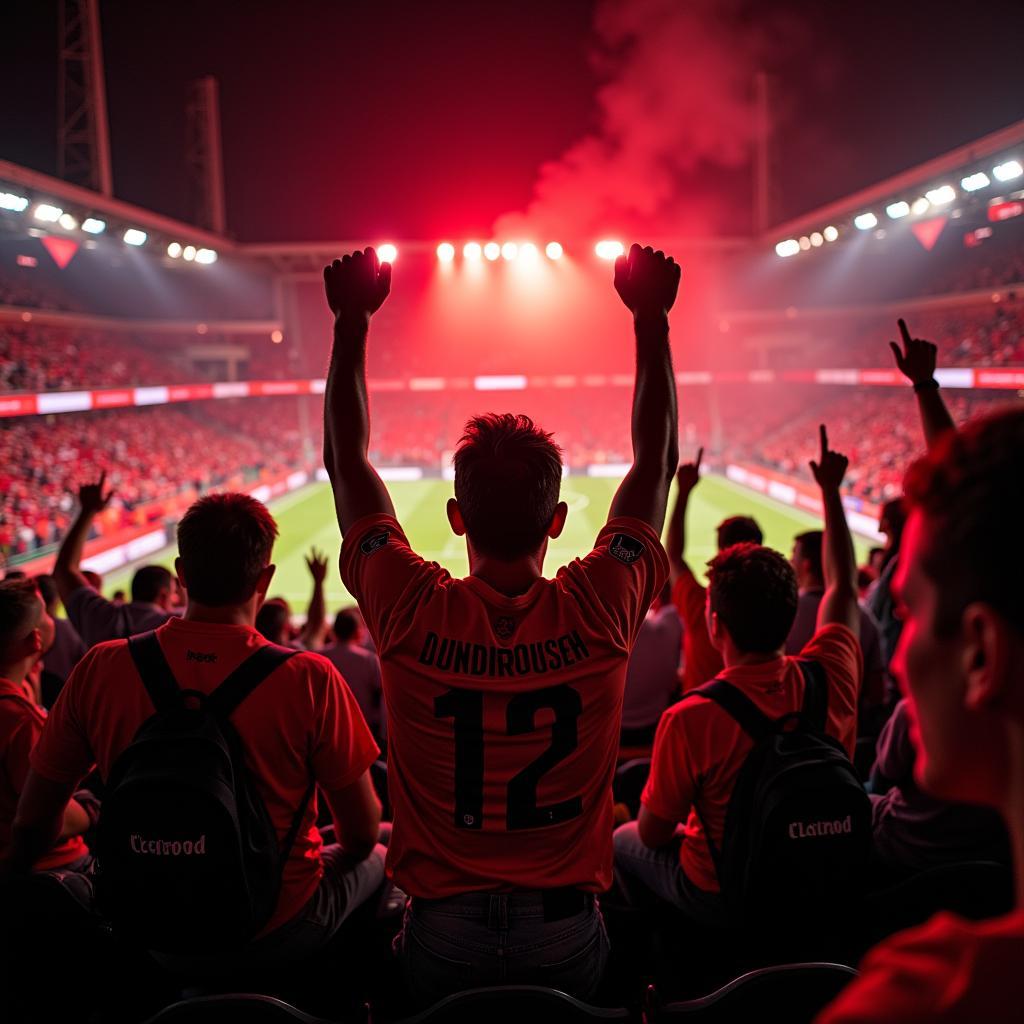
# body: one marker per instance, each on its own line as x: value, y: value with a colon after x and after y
x: 204, y: 159
x: 83, y: 135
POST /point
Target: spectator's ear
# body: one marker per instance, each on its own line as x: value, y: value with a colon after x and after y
x: 263, y: 581
x: 177, y: 572
x: 558, y: 520
x: 988, y: 660
x: 455, y: 518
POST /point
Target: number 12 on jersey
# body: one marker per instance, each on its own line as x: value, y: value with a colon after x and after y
x: 466, y: 707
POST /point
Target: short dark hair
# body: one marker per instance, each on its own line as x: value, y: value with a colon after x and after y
x: 19, y: 599
x: 970, y: 490
x: 894, y: 512
x: 508, y: 473
x: 739, y: 530
x: 47, y: 587
x: 811, y: 544
x: 225, y: 541
x: 272, y: 620
x: 346, y: 624
x: 94, y: 579
x: 149, y: 581
x: 753, y: 591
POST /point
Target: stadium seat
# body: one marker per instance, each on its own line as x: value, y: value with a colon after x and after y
x: 243, y: 1008
x: 792, y: 992
x: 628, y: 784
x: 512, y: 1004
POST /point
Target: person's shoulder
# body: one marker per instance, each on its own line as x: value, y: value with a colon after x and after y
x: 831, y: 639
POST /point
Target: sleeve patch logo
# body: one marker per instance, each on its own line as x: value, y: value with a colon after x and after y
x: 375, y: 542
x: 625, y: 548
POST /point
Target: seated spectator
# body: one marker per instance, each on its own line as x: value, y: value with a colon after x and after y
x: 700, y: 749
x: 504, y: 689
x: 961, y: 659
x: 67, y: 649
x: 701, y: 661
x: 274, y: 619
x: 94, y: 617
x: 116, y: 599
x: 299, y: 727
x: 913, y: 830
x: 810, y: 580
x: 26, y: 633
x: 652, y: 678
x: 359, y: 667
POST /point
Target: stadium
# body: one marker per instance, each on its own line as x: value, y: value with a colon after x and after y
x: 168, y: 360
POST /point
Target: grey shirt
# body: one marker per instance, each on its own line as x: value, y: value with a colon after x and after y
x: 653, y: 673
x: 361, y: 670
x: 98, y: 619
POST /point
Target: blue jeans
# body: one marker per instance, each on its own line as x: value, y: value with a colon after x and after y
x: 660, y: 873
x: 478, y: 939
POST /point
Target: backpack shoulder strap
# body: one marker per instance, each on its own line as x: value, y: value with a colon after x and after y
x: 736, y: 704
x: 815, y: 708
x: 240, y: 683
x: 156, y: 674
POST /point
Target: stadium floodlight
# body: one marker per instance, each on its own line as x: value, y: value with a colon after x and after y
x: 472, y: 251
x: 67, y: 222
x: 790, y: 247
x: 206, y: 256
x: 831, y: 233
x: 607, y: 249
x: 817, y: 239
x: 492, y: 251
x: 94, y: 226
x: 134, y: 236
x: 276, y: 337
x: 941, y: 196
x: 865, y: 221
x: 9, y: 201
x: 387, y: 253
x: 919, y: 206
x: 897, y: 210
x: 974, y: 181
x: 1008, y: 171
x: 47, y: 214
x: 174, y: 250
x: 553, y: 251
x: 805, y: 243
x: 446, y: 252
x: 509, y: 251
x: 528, y: 251
x: 189, y: 253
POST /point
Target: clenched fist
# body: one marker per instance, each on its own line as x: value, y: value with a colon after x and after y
x: 357, y: 284
x: 647, y: 281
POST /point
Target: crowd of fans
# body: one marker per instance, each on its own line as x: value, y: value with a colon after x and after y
x: 899, y: 714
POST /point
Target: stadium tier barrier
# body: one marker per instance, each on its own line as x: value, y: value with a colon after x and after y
x: 51, y: 402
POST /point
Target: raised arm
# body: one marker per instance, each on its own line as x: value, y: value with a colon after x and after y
x: 839, y: 605
x: 356, y: 286
x: 647, y: 282
x: 316, y: 616
x: 917, y: 363
x: 67, y: 572
x: 687, y: 479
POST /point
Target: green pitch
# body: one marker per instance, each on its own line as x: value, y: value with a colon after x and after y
x: 306, y: 519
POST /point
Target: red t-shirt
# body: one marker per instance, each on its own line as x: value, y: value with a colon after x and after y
x: 699, y: 748
x: 948, y: 969
x: 301, y: 721
x: 21, y: 722
x: 702, y: 660
x: 503, y: 712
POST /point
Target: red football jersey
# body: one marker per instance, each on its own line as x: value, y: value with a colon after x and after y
x: 503, y: 712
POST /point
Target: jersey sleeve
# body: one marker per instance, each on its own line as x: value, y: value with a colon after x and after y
x: 386, y: 577
x: 63, y: 752
x: 620, y: 578
x: 837, y: 649
x: 343, y: 746
x: 670, y: 788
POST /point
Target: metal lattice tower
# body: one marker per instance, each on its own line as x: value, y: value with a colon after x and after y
x: 203, y: 157
x: 83, y: 135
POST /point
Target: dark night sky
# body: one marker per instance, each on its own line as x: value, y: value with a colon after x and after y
x: 405, y: 120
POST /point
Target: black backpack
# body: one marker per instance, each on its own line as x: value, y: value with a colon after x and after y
x: 189, y: 860
x: 798, y: 825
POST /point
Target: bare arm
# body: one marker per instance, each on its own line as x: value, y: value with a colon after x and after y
x: 356, y: 814
x: 839, y: 604
x: 917, y: 363
x: 647, y: 283
x: 655, y: 832
x: 44, y: 816
x: 316, y: 615
x: 67, y: 573
x: 675, y: 543
x: 356, y: 286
